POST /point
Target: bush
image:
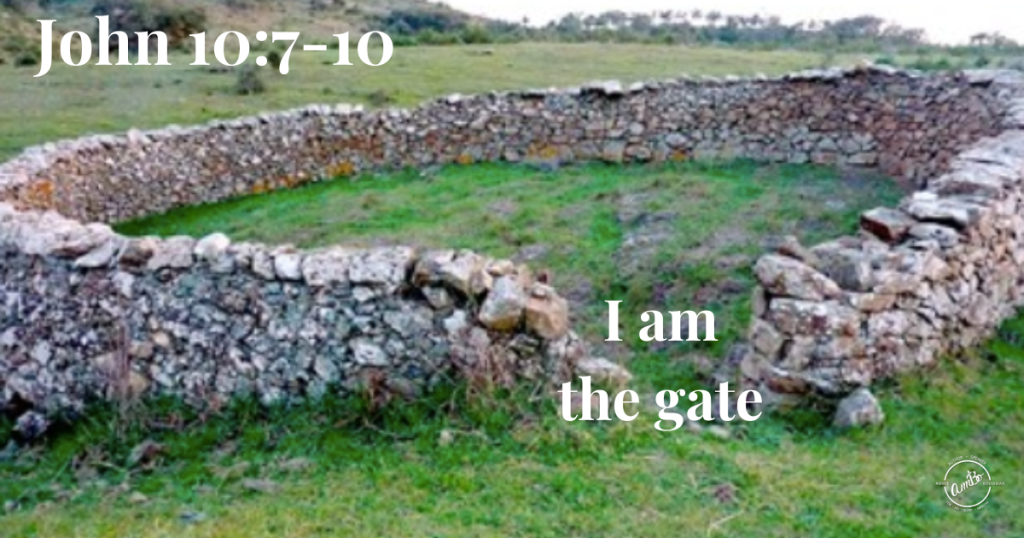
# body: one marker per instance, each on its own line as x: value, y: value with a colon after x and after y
x: 476, y: 35
x: 403, y: 40
x: 928, y: 64
x: 17, y: 6
x: 249, y: 81
x: 379, y: 98
x: 412, y: 21
x: 274, y: 59
x: 26, y: 59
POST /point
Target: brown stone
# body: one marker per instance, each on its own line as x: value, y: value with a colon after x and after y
x: 889, y: 225
x: 547, y: 314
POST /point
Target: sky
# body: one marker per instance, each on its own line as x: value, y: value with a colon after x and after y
x: 946, y: 21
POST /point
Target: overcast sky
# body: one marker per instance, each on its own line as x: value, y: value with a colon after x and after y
x: 950, y: 21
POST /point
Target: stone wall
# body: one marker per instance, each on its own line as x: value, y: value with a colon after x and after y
x: 927, y: 279
x: 86, y: 312
x: 909, y: 126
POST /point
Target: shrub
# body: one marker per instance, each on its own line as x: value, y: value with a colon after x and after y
x: 379, y: 98
x: 249, y: 81
x: 406, y: 21
x: 476, y: 35
x: 17, y: 6
x: 26, y: 59
x: 274, y: 59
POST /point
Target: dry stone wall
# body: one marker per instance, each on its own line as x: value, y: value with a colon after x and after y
x: 909, y: 126
x: 86, y: 313
x: 929, y: 278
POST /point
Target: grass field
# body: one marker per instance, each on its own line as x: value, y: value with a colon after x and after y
x: 663, y: 236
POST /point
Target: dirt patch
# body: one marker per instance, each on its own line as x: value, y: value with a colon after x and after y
x: 644, y: 232
x: 503, y: 208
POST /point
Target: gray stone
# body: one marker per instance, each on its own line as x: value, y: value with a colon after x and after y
x: 859, y: 409
x: 602, y: 370
x: 172, y: 253
x: 790, y: 278
x: 887, y: 224
x: 366, y: 353
x: 503, y: 308
x: 327, y: 267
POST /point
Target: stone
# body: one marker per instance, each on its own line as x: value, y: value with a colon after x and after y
x: 366, y: 353
x: 385, y: 268
x: 950, y: 210
x: 138, y: 498
x: 104, y: 255
x: 439, y: 298
x: 789, y: 245
x: 287, y: 264
x: 792, y: 316
x: 462, y: 272
x: 326, y: 267
x: 547, y: 314
x: 719, y: 432
x: 172, y: 253
x: 503, y: 308
x: 602, y: 370
x: 138, y: 251
x: 847, y: 267
x: 614, y: 152
x: 212, y: 247
x: 859, y: 409
x: 262, y: 264
x: 31, y: 425
x: 871, y: 302
x: 765, y: 338
x: 887, y: 224
x: 261, y: 485
x: 55, y: 236
x: 787, y: 277
x: 945, y: 236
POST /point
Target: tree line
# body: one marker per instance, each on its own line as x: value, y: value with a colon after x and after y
x: 695, y: 27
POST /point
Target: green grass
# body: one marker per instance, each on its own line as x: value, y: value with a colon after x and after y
x: 516, y: 470
x: 575, y: 223
x: 70, y: 101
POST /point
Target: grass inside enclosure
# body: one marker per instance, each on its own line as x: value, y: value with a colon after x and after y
x: 677, y: 236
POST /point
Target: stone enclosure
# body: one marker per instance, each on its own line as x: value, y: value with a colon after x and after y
x: 86, y: 313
